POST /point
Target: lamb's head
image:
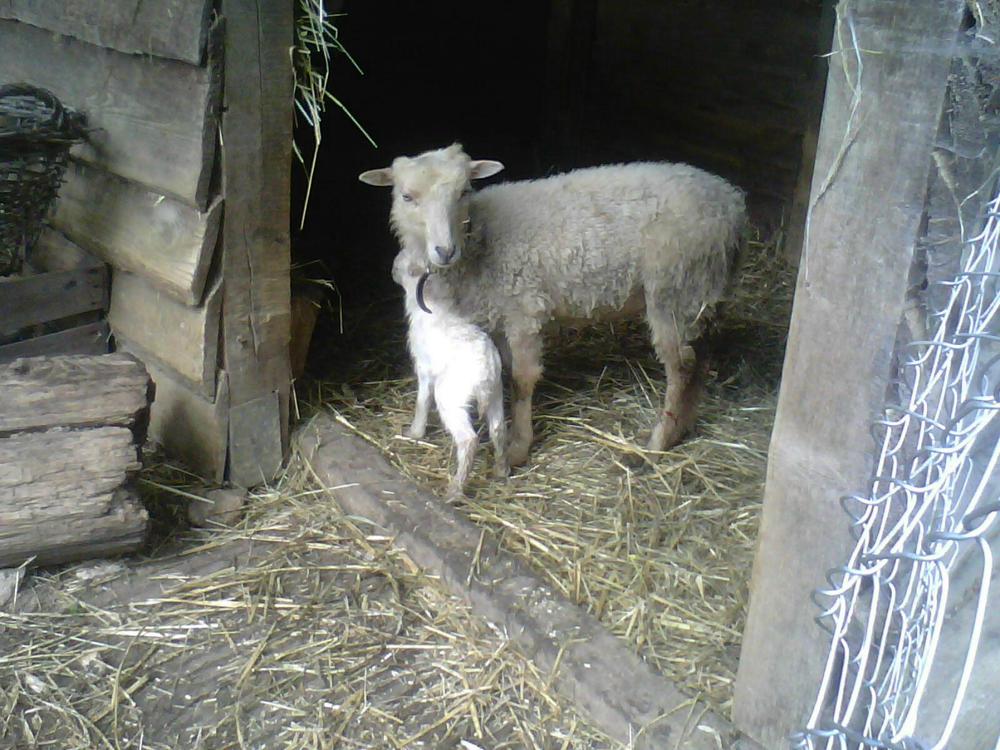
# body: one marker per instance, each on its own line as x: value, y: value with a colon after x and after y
x: 430, y: 199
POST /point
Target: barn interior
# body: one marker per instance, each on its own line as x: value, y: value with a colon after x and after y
x: 661, y: 555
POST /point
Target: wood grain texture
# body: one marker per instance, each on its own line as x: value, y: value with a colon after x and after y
x: 167, y: 242
x: 173, y: 29
x: 866, y: 203
x: 91, y: 338
x: 190, y: 427
x: 156, y: 328
x: 61, y: 495
x: 257, y: 134
x: 152, y: 121
x: 41, y: 298
x: 75, y: 391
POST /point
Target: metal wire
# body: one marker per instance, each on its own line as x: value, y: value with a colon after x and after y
x: 929, y: 504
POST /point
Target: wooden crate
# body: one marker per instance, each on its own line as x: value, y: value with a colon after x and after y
x: 57, y: 305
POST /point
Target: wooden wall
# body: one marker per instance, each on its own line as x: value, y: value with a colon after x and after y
x: 145, y: 195
x: 727, y: 85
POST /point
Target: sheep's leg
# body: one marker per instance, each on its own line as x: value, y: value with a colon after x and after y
x: 683, y: 382
x: 419, y: 426
x: 498, y: 432
x: 526, y: 369
x: 459, y: 425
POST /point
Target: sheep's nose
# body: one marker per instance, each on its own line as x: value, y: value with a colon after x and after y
x: 445, y: 254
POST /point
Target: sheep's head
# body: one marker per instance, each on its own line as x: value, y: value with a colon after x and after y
x: 430, y: 199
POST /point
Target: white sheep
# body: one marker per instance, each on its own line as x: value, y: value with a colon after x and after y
x: 594, y: 243
x: 457, y: 366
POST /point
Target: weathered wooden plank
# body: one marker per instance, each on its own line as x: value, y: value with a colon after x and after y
x: 74, y: 391
x: 175, y: 336
x: 61, y: 495
x: 174, y: 29
x: 190, y: 427
x: 55, y: 252
x: 91, y: 338
x: 167, y: 242
x: 865, y: 212
x: 256, y: 129
x: 152, y: 121
x: 45, y: 297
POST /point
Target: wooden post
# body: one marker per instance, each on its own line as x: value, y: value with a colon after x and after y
x: 865, y: 212
x: 257, y: 142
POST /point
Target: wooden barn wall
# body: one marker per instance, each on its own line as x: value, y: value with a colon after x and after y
x: 727, y: 85
x: 141, y: 193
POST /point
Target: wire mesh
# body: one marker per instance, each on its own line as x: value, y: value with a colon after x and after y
x: 933, y: 501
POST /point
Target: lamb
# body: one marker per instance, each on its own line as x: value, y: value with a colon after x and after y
x: 457, y: 365
x: 597, y: 243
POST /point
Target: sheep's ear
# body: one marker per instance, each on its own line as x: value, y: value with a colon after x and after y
x: 377, y: 177
x: 484, y: 168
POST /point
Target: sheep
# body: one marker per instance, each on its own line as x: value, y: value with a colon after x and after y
x: 457, y: 366
x: 598, y: 243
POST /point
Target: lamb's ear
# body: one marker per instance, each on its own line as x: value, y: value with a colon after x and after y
x: 484, y: 168
x: 377, y: 177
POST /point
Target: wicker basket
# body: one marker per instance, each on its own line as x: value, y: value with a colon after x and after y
x: 36, y: 133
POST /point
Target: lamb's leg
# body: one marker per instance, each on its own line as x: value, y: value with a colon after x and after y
x: 459, y: 425
x: 498, y: 432
x: 683, y: 382
x: 419, y: 426
x: 526, y: 369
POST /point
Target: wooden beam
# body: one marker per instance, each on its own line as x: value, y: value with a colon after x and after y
x: 257, y: 133
x: 865, y: 212
x: 175, y: 336
x: 174, y: 29
x: 166, y: 241
x: 84, y: 391
x: 190, y: 427
x: 152, y: 121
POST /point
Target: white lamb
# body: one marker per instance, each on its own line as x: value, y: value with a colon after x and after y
x: 457, y: 366
x: 595, y: 243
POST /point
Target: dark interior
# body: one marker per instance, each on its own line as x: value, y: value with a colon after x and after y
x: 545, y: 87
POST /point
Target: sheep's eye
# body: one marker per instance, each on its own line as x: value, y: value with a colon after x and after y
x: 407, y: 197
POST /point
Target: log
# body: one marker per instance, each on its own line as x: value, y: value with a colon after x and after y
x: 61, y: 495
x: 166, y: 28
x: 41, y: 393
x: 164, y: 240
x: 153, y: 121
x: 183, y: 339
x: 42, y: 298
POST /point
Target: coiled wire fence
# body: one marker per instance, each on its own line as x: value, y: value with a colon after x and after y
x: 933, y: 500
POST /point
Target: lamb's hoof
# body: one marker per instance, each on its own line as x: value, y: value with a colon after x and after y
x: 454, y: 495
x: 635, y: 462
x: 501, y: 470
x: 414, y: 433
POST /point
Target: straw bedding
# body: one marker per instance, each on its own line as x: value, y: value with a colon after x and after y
x: 662, y: 555
x: 301, y: 628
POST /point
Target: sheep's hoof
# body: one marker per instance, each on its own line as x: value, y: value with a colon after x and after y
x: 454, y: 495
x: 415, y: 433
x: 501, y: 470
x: 517, y: 453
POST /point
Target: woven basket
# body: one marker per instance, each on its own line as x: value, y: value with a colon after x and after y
x: 36, y: 133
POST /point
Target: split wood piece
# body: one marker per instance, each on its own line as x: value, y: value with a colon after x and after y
x: 62, y: 496
x: 174, y: 29
x: 38, y: 393
x: 35, y: 299
x: 91, y: 338
x: 175, y: 336
x: 167, y: 242
x: 150, y: 120
x: 609, y: 683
